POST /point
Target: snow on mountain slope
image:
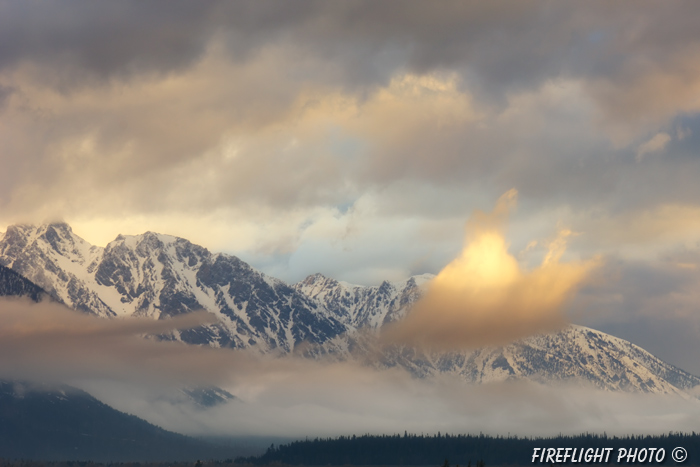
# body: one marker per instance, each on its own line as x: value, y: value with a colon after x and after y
x: 58, y: 261
x: 576, y: 353
x: 364, y: 306
x: 158, y: 276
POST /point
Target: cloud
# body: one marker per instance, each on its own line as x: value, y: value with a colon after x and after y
x: 504, y: 46
x: 48, y: 342
x: 652, y: 300
x: 483, y: 298
x: 354, y: 400
x: 372, y: 98
x: 85, y: 44
x: 645, y: 231
x: 656, y: 144
x: 292, y: 397
x: 154, y: 147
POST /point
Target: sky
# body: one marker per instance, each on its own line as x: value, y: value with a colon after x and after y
x: 356, y: 139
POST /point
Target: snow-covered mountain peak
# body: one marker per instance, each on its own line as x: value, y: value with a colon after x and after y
x: 141, y: 267
x: 158, y: 275
x: 575, y: 353
x: 147, y: 241
x: 318, y: 282
x: 56, y: 239
x: 579, y: 352
x: 421, y: 280
x: 55, y: 258
x: 364, y: 306
x: 166, y: 249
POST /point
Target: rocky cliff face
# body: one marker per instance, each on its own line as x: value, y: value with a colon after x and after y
x: 14, y: 285
x: 361, y: 307
x: 576, y: 353
x: 160, y: 276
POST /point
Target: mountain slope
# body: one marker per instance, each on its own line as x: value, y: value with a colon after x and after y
x: 55, y: 259
x: 158, y: 276
x: 64, y: 423
x: 364, y: 306
x: 576, y: 353
x: 14, y: 285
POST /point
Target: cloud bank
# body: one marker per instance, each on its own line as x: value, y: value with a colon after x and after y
x: 484, y: 298
x: 48, y: 342
x: 291, y: 397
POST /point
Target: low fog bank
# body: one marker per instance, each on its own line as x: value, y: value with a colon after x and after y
x: 291, y: 397
x: 309, y: 404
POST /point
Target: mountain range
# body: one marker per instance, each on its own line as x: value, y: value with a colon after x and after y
x: 160, y: 276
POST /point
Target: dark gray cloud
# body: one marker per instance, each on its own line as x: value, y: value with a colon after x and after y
x: 506, y: 45
x: 653, y: 303
x: 103, y: 41
x: 498, y: 49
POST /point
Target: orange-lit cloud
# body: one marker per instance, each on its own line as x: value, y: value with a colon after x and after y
x: 483, y: 297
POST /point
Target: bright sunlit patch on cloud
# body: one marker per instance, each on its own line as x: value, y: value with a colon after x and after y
x: 483, y: 297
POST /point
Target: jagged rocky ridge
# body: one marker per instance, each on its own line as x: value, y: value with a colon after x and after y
x: 364, y: 307
x: 13, y: 285
x: 158, y: 276
x: 575, y: 353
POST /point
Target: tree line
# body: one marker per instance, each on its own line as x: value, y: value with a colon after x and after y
x: 455, y: 449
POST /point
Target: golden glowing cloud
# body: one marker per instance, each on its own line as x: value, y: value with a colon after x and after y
x: 483, y: 297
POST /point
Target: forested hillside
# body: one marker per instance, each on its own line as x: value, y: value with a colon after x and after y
x: 409, y: 449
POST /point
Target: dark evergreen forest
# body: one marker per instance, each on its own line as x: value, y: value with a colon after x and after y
x: 410, y: 449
